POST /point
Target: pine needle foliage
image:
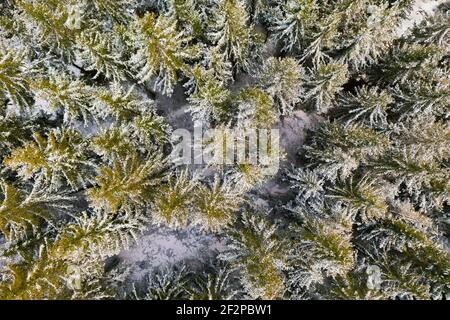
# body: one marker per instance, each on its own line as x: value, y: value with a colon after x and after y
x: 162, y: 51
x: 355, y: 207
x: 256, y: 251
x: 126, y: 183
x: 59, y: 158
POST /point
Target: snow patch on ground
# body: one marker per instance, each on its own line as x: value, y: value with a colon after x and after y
x: 293, y: 132
x: 161, y: 246
x: 175, y: 109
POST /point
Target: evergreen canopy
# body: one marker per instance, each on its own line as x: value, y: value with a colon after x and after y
x: 87, y: 90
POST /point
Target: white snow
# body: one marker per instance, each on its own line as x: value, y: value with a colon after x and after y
x: 421, y: 9
x: 162, y: 246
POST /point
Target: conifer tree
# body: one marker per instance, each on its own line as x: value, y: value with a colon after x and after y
x: 257, y: 107
x: 14, y: 80
x: 172, y: 204
x: 256, y: 251
x: 232, y: 34
x: 428, y: 97
x: 118, y: 102
x: 325, y: 82
x: 60, y: 92
x: 324, y: 249
x: 125, y: 184
x: 101, y: 53
x: 210, y: 99
x: 364, y: 197
x: 162, y: 51
x: 338, y: 150
x: 215, y: 284
x: 216, y: 206
x: 294, y: 22
x: 59, y: 158
x: 113, y: 143
x: 150, y: 129
x: 167, y: 284
x: 188, y: 13
x: 282, y: 79
x: 50, y: 23
x: 427, y: 135
x: 307, y: 183
x: 13, y: 132
x: 367, y: 104
x: 115, y: 10
x: 411, y: 233
x: 23, y: 213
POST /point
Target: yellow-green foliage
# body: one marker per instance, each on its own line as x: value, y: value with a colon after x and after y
x: 232, y: 32
x: 13, y: 131
x: 416, y: 236
x: 257, y: 107
x: 324, y: 249
x: 334, y: 244
x: 258, y: 252
x: 187, y: 15
x: 359, y: 96
x: 61, y: 92
x: 70, y: 266
x: 341, y: 149
x: 216, y: 206
x: 48, y: 18
x: 113, y: 142
x: 114, y: 9
x: 127, y: 184
x: 102, y: 55
x: 172, y: 200
x: 162, y: 50
x: 210, y: 97
x: 365, y: 197
x: 151, y: 128
x: 117, y: 102
x: 23, y: 214
x: 14, y: 83
x: 59, y: 158
x: 326, y: 81
x: 282, y: 79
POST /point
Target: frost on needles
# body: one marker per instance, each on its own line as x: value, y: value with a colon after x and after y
x: 87, y: 93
